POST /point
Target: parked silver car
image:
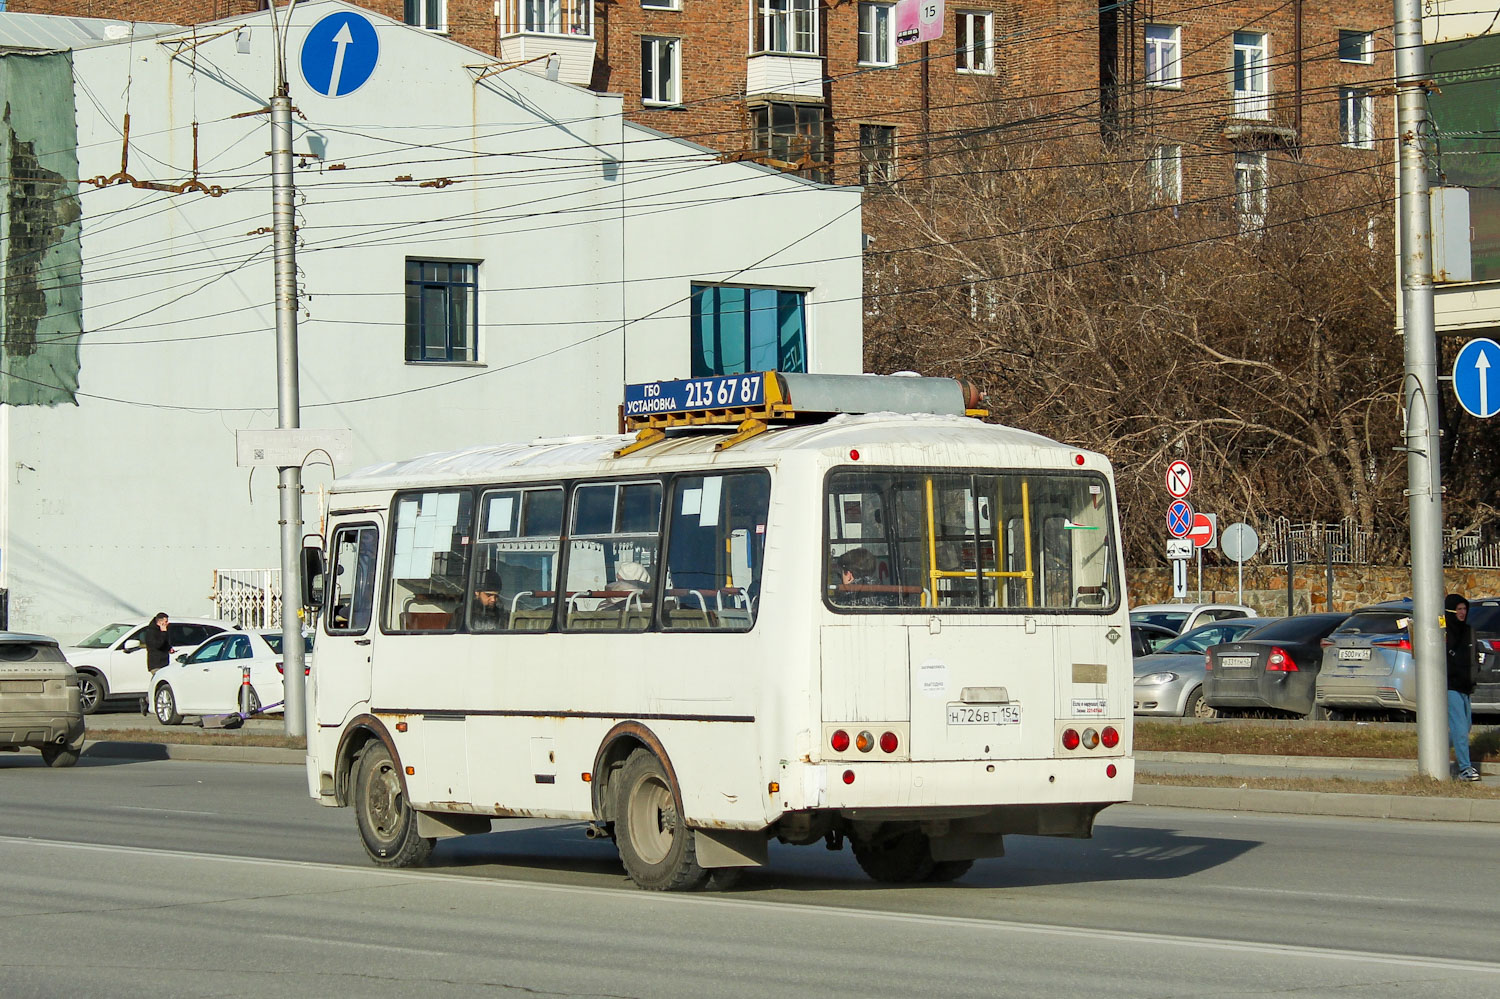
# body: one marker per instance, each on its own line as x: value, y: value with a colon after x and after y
x: 1368, y: 665
x: 1170, y: 680
x: 39, y: 703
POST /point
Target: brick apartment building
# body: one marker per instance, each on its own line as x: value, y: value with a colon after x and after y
x: 1214, y: 92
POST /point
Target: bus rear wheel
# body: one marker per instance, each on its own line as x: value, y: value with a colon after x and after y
x: 387, y: 822
x: 900, y: 857
x: 658, y: 850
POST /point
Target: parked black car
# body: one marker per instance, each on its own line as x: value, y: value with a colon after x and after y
x: 1484, y: 618
x: 1275, y: 670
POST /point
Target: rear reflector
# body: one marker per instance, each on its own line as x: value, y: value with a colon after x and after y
x: 1110, y: 737
x: 840, y: 741
x: 1110, y: 770
x: 1280, y: 662
x: 1070, y: 739
x: 848, y: 776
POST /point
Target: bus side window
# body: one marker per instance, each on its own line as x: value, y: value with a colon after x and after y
x: 351, y: 596
x: 612, y: 556
x: 716, y: 547
x: 515, y: 556
x: 429, y: 561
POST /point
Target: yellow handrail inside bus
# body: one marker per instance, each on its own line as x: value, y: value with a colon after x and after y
x: 934, y: 573
x: 1026, y: 531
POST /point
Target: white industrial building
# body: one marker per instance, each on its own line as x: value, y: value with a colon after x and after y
x: 484, y: 255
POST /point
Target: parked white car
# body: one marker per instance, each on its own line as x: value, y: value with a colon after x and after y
x: 208, y: 681
x: 1183, y: 618
x: 111, y: 663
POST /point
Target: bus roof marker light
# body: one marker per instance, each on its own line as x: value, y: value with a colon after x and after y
x: 848, y: 776
x: 1078, y: 459
x: 853, y: 454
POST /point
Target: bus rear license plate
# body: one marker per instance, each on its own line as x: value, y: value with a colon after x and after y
x: 984, y: 714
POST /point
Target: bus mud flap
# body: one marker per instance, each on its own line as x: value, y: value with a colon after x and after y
x: 445, y: 825
x: 730, y: 848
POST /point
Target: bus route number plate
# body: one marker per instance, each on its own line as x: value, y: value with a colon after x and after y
x: 984, y: 714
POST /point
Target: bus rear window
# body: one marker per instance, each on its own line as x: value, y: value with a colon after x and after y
x: 906, y: 540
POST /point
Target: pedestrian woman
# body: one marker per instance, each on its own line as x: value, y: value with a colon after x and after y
x: 1460, y: 682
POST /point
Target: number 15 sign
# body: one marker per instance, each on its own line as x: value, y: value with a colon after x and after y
x: 918, y: 21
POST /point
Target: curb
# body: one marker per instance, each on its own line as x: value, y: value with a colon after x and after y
x: 1371, y: 806
x: 1318, y: 763
x: 103, y: 749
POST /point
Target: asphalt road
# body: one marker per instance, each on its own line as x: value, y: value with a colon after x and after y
x: 170, y: 878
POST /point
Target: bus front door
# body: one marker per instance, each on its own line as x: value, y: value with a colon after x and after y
x: 341, y: 667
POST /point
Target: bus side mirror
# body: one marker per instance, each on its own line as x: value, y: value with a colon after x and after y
x: 312, y: 578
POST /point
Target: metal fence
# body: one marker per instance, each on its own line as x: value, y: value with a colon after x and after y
x: 1348, y: 543
x: 251, y: 598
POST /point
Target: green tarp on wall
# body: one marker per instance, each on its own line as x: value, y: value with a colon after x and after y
x: 1466, y: 123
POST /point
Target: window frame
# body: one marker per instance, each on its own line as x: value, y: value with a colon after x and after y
x: 766, y: 132
x: 873, y: 171
x: 416, y: 339
x: 670, y: 497
x: 477, y: 542
x: 963, y: 51
x: 331, y: 577
x: 1366, y: 55
x: 1251, y: 103
x: 1164, y: 173
x: 1252, y: 204
x: 661, y: 5
x: 1356, y: 129
x: 799, y: 21
x: 420, y: 7
x: 1171, y: 72
x: 673, y: 44
x: 868, y: 35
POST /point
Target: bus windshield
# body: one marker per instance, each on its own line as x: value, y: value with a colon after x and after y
x: 899, y: 540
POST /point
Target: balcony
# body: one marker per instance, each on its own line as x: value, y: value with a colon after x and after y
x: 784, y: 74
x: 531, y: 30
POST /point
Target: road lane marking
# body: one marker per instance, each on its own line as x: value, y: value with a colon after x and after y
x: 384, y: 948
x: 387, y: 875
x: 174, y: 811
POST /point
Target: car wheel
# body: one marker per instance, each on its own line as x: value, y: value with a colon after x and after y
x: 387, y: 822
x: 92, y: 690
x: 249, y: 702
x: 60, y: 756
x: 166, y: 706
x: 1197, y: 707
x: 659, y: 852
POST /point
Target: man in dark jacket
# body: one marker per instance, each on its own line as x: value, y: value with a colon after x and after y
x: 1460, y: 682
x: 158, y: 647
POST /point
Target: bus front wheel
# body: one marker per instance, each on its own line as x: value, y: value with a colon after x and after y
x: 387, y: 822
x: 658, y: 850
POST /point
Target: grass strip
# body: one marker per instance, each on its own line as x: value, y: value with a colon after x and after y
x: 195, y: 737
x: 1411, y: 786
x: 1366, y: 741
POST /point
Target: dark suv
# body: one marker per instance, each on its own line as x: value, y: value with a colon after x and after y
x: 1484, y: 618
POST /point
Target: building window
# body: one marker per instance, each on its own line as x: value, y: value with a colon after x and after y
x: 1356, y: 46
x: 1250, y: 182
x: 556, y: 17
x: 877, y: 154
x: 660, y: 62
x: 877, y: 41
x: 429, y: 14
x: 1164, y: 173
x: 789, y: 26
x: 737, y: 330
x: 442, y: 314
x: 791, y: 135
x: 1163, y: 55
x: 1356, y: 118
x: 976, y: 41
x: 1252, y: 75
x: 661, y: 4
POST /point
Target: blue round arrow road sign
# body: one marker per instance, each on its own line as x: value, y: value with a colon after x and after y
x: 339, y: 54
x: 1179, y: 519
x: 1476, y: 377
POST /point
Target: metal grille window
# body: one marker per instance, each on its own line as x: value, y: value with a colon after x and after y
x: 1356, y: 118
x: 441, y: 310
x: 1164, y: 172
x: 738, y: 330
x: 976, y: 41
x: 793, y: 135
x: 877, y: 42
x: 1163, y: 55
x: 429, y: 14
x: 1252, y: 75
x: 1356, y: 46
x: 660, y: 62
x: 1250, y: 182
x: 789, y: 26
x: 877, y: 154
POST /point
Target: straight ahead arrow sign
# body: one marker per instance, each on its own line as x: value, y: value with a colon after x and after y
x: 340, y: 41
x: 1482, y: 365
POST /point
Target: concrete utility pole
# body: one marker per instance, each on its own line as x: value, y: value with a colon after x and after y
x: 1420, y: 397
x: 288, y: 402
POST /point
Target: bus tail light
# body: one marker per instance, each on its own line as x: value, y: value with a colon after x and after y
x: 1070, y: 739
x: 864, y: 742
x: 1110, y: 737
x: 840, y: 741
x: 1280, y: 662
x: 1110, y: 770
x: 1090, y: 739
x: 848, y: 776
x: 889, y: 742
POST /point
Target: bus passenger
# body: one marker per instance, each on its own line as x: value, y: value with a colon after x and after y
x: 487, y: 614
x: 857, y: 572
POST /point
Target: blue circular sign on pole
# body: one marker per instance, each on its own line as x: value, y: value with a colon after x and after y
x: 339, y: 54
x: 1476, y: 378
x: 1179, y: 519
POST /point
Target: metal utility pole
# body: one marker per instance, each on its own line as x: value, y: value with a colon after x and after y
x: 1420, y: 397
x: 288, y: 402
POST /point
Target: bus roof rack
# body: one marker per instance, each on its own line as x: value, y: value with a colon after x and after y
x: 752, y: 402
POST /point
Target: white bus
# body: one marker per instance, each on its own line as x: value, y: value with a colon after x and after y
x: 901, y: 630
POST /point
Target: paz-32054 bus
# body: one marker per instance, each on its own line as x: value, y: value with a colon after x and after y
x: 812, y: 609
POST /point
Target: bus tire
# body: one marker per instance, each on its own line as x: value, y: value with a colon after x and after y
x: 900, y: 857
x: 387, y: 822
x: 659, y: 852
x: 949, y: 870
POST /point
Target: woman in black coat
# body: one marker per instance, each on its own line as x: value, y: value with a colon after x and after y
x: 1460, y: 682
